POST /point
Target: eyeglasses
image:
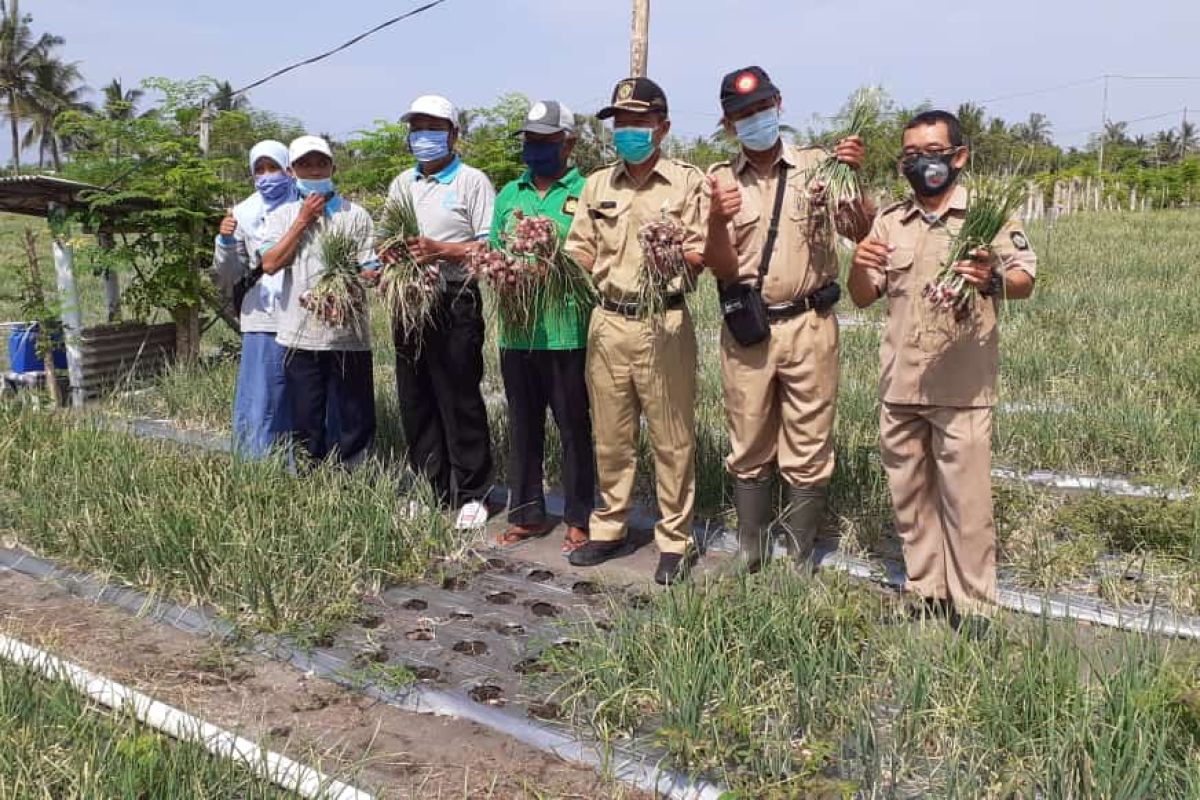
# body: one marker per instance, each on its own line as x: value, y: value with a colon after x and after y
x: 908, y: 158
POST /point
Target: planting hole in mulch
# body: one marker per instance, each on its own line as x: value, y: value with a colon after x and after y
x: 585, y: 589
x: 547, y: 711
x: 540, y: 575
x: 564, y: 645
x: 501, y: 598
x: 461, y: 615
x: 420, y: 635
x: 639, y: 601
x: 370, y: 621
x: 487, y: 693
x: 510, y: 629
x: 530, y: 666
x: 544, y: 609
x: 471, y: 647
x: 378, y: 655
x: 453, y: 583
x: 425, y: 673
x: 415, y: 604
x: 496, y: 563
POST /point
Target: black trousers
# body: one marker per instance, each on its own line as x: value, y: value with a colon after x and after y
x: 320, y: 379
x: 441, y: 407
x: 533, y: 381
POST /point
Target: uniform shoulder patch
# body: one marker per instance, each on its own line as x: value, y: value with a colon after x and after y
x: 1019, y: 240
x: 720, y: 165
x: 570, y: 206
x: 893, y: 207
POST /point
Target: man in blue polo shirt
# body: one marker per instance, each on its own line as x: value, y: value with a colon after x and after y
x: 439, y: 370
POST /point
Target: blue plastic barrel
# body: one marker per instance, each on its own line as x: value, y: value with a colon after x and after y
x: 23, y: 349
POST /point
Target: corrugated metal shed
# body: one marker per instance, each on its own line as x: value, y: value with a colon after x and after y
x: 33, y: 194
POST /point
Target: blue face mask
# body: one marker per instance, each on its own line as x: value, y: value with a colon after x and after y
x: 759, y: 131
x: 634, y: 145
x: 276, y: 188
x: 429, y: 145
x: 544, y: 159
x: 309, y: 186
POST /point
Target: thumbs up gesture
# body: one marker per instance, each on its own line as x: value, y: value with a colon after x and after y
x: 726, y: 200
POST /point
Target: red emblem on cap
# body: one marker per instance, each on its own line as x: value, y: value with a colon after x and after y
x: 745, y: 83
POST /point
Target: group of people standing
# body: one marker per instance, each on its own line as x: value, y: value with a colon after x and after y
x: 759, y: 223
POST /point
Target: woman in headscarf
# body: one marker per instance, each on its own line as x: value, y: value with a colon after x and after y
x: 260, y: 408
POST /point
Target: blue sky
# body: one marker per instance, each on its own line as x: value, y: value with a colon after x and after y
x: 574, y: 50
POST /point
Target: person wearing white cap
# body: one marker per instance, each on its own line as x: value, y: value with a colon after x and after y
x: 439, y: 370
x: 325, y: 364
x: 543, y: 365
x: 260, y: 406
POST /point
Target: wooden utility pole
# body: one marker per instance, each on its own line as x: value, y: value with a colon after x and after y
x: 639, y: 39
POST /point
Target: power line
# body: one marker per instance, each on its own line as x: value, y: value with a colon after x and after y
x: 339, y: 48
x: 1045, y: 90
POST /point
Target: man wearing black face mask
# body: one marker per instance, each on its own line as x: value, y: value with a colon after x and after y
x: 938, y: 383
x: 543, y: 365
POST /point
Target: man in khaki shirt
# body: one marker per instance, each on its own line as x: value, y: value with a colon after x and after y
x: 780, y: 393
x: 637, y: 363
x: 938, y: 382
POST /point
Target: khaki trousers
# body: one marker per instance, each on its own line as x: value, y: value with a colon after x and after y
x: 938, y: 462
x: 637, y: 368
x: 780, y: 397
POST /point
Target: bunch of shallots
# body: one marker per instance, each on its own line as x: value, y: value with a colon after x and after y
x: 337, y: 298
x: 993, y: 202
x: 662, y: 263
x: 529, y: 272
x: 409, y: 290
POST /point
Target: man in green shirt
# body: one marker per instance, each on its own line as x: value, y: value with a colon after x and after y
x: 543, y: 365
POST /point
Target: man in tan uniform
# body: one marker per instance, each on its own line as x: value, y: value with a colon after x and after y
x: 938, y: 382
x: 780, y: 393
x: 640, y: 364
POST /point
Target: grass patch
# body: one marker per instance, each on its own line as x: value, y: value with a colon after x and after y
x: 787, y: 687
x: 268, y: 549
x: 56, y: 743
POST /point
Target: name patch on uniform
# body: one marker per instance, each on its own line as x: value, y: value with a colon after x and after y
x: 570, y: 206
x: 608, y: 204
x: 1019, y: 241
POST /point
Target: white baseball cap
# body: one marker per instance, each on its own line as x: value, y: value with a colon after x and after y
x: 432, y: 105
x: 304, y: 145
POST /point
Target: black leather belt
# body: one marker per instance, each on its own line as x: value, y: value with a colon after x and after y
x: 821, y: 300
x: 634, y: 310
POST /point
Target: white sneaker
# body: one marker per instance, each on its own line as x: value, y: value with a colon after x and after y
x: 472, y: 516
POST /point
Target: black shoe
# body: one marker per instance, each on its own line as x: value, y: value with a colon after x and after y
x: 972, y: 627
x: 594, y: 553
x: 930, y: 608
x: 672, y: 568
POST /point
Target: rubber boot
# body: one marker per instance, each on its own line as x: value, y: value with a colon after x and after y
x: 803, y: 520
x: 752, y: 500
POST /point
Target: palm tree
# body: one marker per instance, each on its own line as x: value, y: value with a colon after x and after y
x: 119, y: 103
x: 1188, y: 139
x: 223, y: 98
x: 58, y: 88
x: 1116, y: 133
x: 1166, y: 144
x: 21, y: 54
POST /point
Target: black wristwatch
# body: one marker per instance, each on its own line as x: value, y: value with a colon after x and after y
x: 995, y: 285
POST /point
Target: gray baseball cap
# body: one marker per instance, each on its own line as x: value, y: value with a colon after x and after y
x: 549, y: 116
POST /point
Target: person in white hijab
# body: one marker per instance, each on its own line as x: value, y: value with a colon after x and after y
x: 260, y: 409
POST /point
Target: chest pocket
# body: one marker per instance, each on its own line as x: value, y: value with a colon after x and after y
x: 810, y: 236
x: 900, y: 273
x: 610, y: 221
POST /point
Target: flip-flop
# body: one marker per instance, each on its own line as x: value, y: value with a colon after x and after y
x: 516, y: 534
x: 572, y: 541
